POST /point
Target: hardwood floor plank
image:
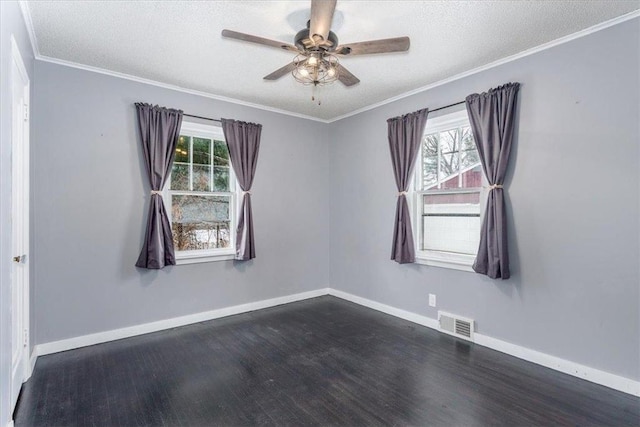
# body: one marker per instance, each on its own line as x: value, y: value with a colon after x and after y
x: 317, y: 362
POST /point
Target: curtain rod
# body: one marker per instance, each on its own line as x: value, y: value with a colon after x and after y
x: 203, y: 118
x: 447, y: 106
x: 220, y: 121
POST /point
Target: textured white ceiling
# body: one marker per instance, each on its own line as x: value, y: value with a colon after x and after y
x: 179, y: 42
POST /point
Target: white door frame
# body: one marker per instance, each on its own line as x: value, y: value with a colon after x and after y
x: 20, y: 188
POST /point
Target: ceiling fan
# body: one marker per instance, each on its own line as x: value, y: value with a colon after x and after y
x: 317, y: 49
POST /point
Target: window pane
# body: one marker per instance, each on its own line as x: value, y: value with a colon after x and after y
x: 201, y: 151
x: 200, y: 222
x: 435, y: 203
x: 449, y: 158
x: 180, y: 176
x: 221, y: 178
x: 429, y: 161
x: 201, y: 177
x: 451, y: 222
x: 468, y: 153
x: 472, y: 178
x: 182, y: 149
x: 220, y: 153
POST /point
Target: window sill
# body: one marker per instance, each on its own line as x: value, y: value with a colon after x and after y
x: 446, y: 260
x: 183, y: 259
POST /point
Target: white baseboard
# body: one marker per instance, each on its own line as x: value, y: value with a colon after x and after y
x: 116, y: 334
x: 406, y: 315
x: 597, y: 376
x: 32, y: 361
x: 607, y: 379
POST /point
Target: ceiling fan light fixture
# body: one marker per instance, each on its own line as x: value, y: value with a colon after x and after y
x: 303, y: 72
x: 316, y: 69
x: 316, y: 46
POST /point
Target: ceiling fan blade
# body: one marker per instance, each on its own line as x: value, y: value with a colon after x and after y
x: 345, y: 77
x: 397, y: 44
x: 280, y: 72
x: 258, y: 40
x: 321, y: 17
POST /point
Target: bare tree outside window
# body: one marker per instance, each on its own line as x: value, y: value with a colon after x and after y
x: 201, y: 197
x: 447, y: 154
x: 449, y: 187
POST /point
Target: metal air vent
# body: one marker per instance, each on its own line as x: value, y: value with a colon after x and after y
x: 456, y: 325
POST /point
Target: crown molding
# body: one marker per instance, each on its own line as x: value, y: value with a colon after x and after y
x: 28, y: 22
x: 26, y: 14
x: 573, y: 36
x: 137, y: 79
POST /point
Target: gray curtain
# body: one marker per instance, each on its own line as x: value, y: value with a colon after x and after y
x: 243, y: 141
x: 492, y: 116
x: 405, y: 134
x: 159, y: 130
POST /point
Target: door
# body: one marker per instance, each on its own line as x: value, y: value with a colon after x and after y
x: 19, y: 223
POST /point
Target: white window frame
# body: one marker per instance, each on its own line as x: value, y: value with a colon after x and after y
x: 440, y: 258
x: 211, y: 132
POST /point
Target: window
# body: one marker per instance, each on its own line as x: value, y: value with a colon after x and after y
x: 201, y: 196
x: 448, y: 184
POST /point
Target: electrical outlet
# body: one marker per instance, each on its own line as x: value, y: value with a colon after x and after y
x: 432, y: 300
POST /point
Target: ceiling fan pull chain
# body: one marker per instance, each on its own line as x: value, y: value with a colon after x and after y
x: 314, y: 91
x: 316, y: 48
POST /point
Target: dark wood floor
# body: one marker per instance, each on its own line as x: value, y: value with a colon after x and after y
x: 317, y: 362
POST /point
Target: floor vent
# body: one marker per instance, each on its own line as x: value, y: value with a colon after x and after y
x: 456, y: 325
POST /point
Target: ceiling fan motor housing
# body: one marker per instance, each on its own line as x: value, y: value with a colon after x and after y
x: 304, y: 42
x: 316, y: 62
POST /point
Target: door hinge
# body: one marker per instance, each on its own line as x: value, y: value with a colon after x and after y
x: 26, y: 112
x: 25, y: 339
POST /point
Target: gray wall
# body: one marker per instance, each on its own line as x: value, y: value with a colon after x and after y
x: 11, y: 22
x: 91, y: 202
x: 572, y: 196
x: 324, y: 203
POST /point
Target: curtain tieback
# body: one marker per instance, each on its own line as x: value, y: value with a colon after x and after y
x: 156, y: 192
x: 246, y: 192
x: 402, y: 193
x: 494, y: 186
